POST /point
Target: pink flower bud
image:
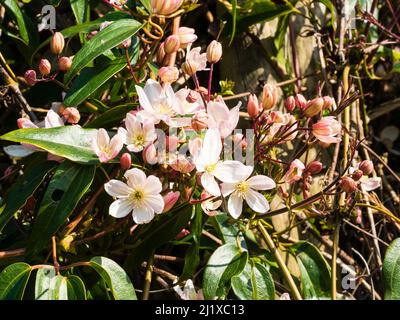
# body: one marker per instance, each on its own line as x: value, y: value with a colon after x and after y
x: 327, y: 130
x: 357, y: 175
x: 30, y: 77
x: 161, y: 53
x: 314, y: 167
x: 313, y: 107
x: 253, y: 107
x: 64, y: 63
x: 301, y: 102
x: 182, y: 234
x: 214, y: 52
x: 149, y: 154
x: 328, y: 102
x: 44, y: 67
x: 192, y: 96
x: 125, y: 44
x: 186, y: 36
x: 91, y: 34
x: 165, y: 7
x: 181, y: 163
x: 125, y: 161
x: 189, y: 68
x: 269, y: 97
x: 172, y: 44
x: 366, y: 167
x: 170, y: 199
x: 168, y: 74
x: 290, y: 103
x: 57, y: 43
x: 200, y: 121
x: 347, y: 184
x: 71, y: 115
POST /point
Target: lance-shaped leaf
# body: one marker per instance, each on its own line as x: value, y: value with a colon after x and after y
x: 226, y: 262
x: 391, y: 271
x: 115, y: 277
x: 13, y: 280
x: 43, y: 280
x: 65, y: 189
x: 71, y: 142
x: 106, y: 39
x: 25, y: 186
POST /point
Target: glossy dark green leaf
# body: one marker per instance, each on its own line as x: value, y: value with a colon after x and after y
x: 104, y: 40
x: 228, y: 230
x: 43, y: 280
x: 75, y: 288
x: 81, y: 10
x: 225, y: 262
x: 13, y: 280
x: 69, y: 183
x: 70, y: 142
x: 254, y: 283
x: 391, y: 271
x: 111, y: 117
x: 314, y: 271
x: 26, y: 27
x: 58, y: 288
x: 81, y: 93
x: 149, y: 237
x: 192, y: 257
x: 25, y: 186
x: 115, y: 277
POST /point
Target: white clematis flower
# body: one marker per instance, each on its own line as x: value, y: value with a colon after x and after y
x: 137, y: 136
x: 105, y: 148
x: 160, y: 104
x: 221, y: 118
x: 209, y: 164
x: 140, y: 195
x: 244, y: 189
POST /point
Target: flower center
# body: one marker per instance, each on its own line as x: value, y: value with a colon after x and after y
x: 138, y: 140
x: 242, y: 187
x: 211, y: 168
x: 164, y: 108
x: 136, y: 196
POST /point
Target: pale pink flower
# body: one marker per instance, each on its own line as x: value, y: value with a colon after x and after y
x: 327, y: 130
x: 105, y: 148
x: 186, y: 36
x: 295, y: 172
x: 209, y: 204
x: 189, y: 292
x: 243, y: 187
x: 190, y: 101
x: 221, y: 118
x: 195, y: 61
x: 137, y: 136
x: 170, y: 199
x: 181, y: 163
x: 150, y: 154
x: 140, y: 195
x: 165, y: 7
x: 366, y: 183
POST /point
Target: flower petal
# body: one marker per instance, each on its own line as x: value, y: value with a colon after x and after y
x: 235, y: 205
x: 232, y: 171
x: 227, y: 188
x: 142, y: 214
x: 211, y: 149
x: 116, y: 188
x: 136, y: 178
x: 53, y: 120
x: 102, y: 138
x: 156, y: 202
x: 261, y: 182
x: 209, y: 183
x: 152, y: 185
x: 371, y: 184
x: 256, y: 201
x: 120, y: 208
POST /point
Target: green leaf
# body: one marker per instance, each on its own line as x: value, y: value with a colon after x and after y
x: 76, y: 288
x: 43, y: 280
x: 111, y: 117
x: 391, y: 271
x: 149, y: 237
x: 81, y: 93
x: 81, y: 10
x: 115, y: 277
x: 228, y: 230
x: 69, y: 183
x: 331, y: 8
x: 26, y: 185
x: 13, y: 280
x: 26, y: 27
x: 226, y: 262
x: 234, y: 18
x: 314, y: 271
x: 254, y: 283
x: 192, y: 257
x: 70, y: 142
x: 106, y: 39
x: 58, y: 288
x: 147, y: 5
